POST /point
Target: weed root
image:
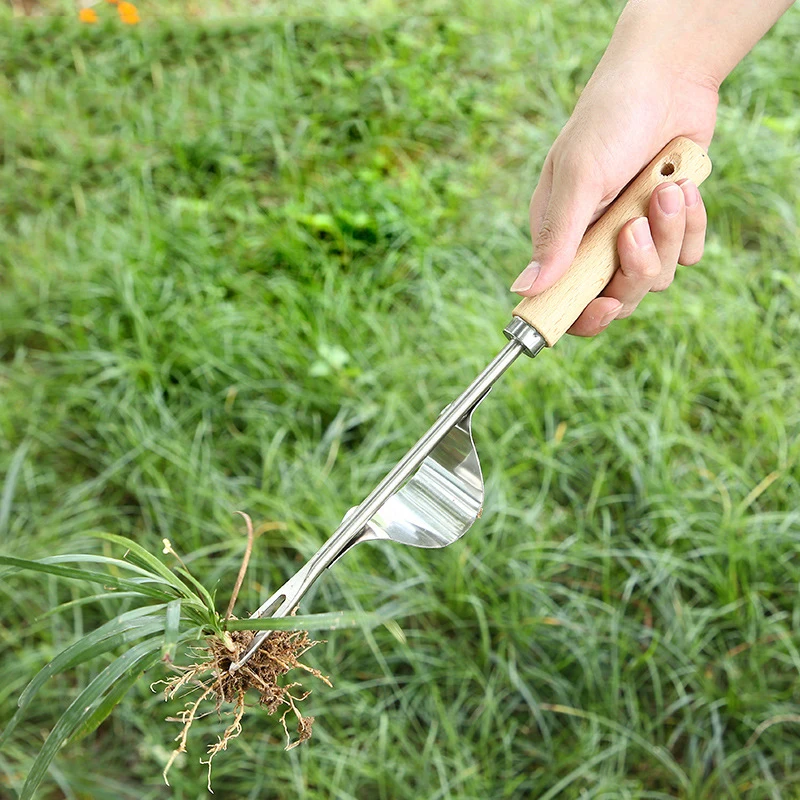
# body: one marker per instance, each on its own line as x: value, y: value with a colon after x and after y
x: 218, y: 688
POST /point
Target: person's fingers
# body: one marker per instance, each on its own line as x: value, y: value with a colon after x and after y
x: 696, y: 220
x: 649, y: 249
x: 667, y: 215
x: 639, y: 266
x: 596, y: 317
x: 540, y: 198
x: 573, y: 198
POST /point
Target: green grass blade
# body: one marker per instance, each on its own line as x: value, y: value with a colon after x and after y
x: 84, y: 705
x: 171, y: 629
x: 327, y: 621
x: 111, y: 700
x: 137, y: 553
x: 11, y: 484
x: 126, y: 628
x: 123, y: 685
x: 90, y: 558
x: 201, y: 590
x: 140, y: 586
x: 83, y: 601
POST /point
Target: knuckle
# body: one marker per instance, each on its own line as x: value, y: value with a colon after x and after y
x: 574, y: 152
x: 549, y: 233
x: 652, y: 272
x: 662, y: 284
x: 647, y: 271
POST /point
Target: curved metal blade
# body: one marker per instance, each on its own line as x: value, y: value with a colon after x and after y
x: 443, y: 498
x: 440, y: 502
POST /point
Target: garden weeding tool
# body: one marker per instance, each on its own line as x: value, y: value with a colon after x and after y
x: 435, y: 493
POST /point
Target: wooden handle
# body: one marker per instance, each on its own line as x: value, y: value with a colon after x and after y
x: 553, y: 311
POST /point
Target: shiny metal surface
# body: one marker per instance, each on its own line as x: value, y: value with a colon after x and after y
x: 524, y: 333
x: 441, y: 500
x: 433, y: 508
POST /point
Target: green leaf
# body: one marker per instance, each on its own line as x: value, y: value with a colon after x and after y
x: 204, y: 593
x: 329, y: 621
x: 139, y: 585
x: 82, y: 601
x: 171, y: 629
x: 193, y: 599
x: 125, y: 628
x: 137, y: 553
x: 91, y: 558
x: 11, y: 484
x: 108, y: 703
x: 136, y: 659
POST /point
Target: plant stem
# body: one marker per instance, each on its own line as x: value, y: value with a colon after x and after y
x: 243, y: 568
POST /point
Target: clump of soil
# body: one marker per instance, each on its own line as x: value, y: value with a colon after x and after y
x: 279, y: 654
x: 263, y: 673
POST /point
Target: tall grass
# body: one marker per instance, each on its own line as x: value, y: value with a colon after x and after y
x: 245, y: 262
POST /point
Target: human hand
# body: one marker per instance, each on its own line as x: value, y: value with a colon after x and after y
x: 627, y: 113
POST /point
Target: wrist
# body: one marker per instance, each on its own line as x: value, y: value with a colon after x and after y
x: 700, y: 40
x: 651, y: 37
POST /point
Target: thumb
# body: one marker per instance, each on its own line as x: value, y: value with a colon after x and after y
x: 557, y: 227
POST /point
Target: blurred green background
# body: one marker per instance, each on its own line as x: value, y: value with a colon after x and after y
x: 248, y: 253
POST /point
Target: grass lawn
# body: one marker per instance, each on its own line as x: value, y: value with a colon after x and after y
x: 244, y: 262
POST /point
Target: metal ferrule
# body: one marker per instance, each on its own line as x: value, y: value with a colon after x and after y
x: 520, y: 331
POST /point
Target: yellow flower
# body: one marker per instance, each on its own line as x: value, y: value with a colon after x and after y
x: 87, y: 15
x: 128, y: 13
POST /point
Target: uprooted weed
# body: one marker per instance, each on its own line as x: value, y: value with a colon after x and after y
x: 278, y: 655
x: 263, y: 672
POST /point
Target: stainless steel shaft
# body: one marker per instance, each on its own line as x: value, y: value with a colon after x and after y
x: 523, y: 338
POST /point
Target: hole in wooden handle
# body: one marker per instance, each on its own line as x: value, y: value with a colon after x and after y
x: 667, y: 168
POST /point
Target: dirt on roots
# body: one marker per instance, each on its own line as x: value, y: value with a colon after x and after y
x: 218, y: 687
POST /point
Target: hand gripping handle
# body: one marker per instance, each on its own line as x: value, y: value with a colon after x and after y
x: 553, y: 311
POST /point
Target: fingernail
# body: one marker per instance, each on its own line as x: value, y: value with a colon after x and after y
x: 669, y: 199
x: 526, y: 278
x: 610, y: 316
x: 690, y: 194
x: 641, y: 233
